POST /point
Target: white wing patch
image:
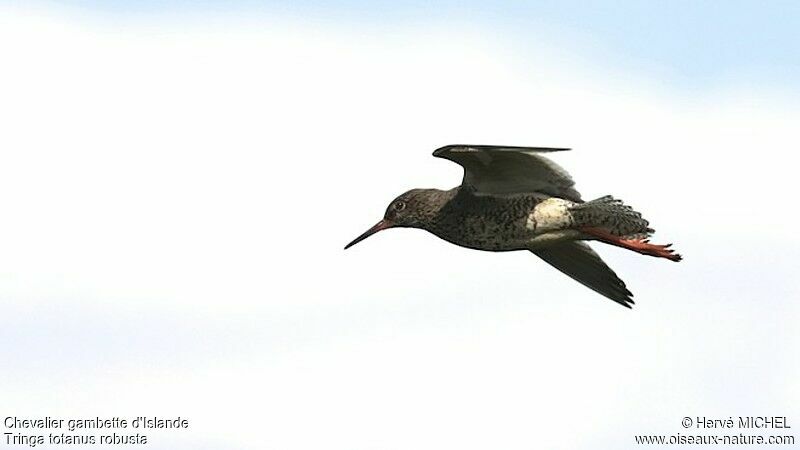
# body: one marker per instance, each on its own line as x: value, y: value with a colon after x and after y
x: 550, y: 215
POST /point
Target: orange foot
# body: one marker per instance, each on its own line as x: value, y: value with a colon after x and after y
x: 642, y: 246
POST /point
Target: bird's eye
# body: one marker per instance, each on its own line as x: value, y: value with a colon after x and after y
x: 399, y: 205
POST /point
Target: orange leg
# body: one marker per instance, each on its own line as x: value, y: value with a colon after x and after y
x: 642, y: 246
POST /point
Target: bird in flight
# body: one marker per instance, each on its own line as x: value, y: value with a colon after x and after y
x: 514, y: 198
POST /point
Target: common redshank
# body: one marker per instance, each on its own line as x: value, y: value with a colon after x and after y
x: 514, y: 198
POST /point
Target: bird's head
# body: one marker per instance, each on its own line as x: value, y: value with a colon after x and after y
x: 413, y: 209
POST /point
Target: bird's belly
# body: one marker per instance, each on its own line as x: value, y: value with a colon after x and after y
x: 495, y: 243
x: 488, y: 235
x: 548, y: 223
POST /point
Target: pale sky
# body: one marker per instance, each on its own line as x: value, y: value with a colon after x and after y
x: 178, y: 186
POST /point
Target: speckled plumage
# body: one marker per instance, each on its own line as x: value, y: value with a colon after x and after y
x: 512, y: 198
x: 485, y: 223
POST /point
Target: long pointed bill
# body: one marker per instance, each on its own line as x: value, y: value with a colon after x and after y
x: 382, y: 225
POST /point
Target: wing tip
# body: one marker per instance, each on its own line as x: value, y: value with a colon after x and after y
x: 622, y: 297
x: 628, y: 302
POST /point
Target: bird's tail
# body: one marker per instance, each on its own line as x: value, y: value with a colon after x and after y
x: 613, y: 216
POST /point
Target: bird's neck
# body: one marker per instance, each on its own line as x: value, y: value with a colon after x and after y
x: 436, y: 201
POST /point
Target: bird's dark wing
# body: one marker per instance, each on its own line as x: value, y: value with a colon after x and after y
x: 497, y: 170
x: 579, y: 261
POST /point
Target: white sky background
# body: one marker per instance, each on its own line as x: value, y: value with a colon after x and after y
x: 176, y: 196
